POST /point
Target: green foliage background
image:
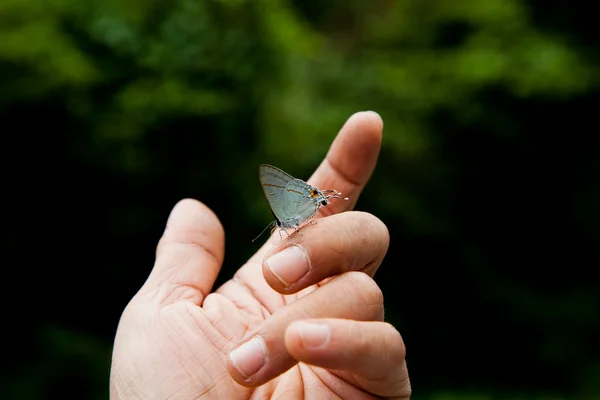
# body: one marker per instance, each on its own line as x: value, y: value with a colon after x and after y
x: 112, y: 111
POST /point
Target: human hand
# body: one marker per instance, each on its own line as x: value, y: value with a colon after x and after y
x: 269, y: 332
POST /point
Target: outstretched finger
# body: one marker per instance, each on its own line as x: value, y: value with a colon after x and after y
x: 350, y: 241
x: 350, y: 161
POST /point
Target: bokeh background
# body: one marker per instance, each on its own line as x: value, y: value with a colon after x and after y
x: 111, y: 111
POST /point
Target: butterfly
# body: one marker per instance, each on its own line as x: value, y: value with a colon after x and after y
x: 292, y: 200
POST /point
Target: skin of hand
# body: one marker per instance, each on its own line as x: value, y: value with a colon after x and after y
x: 303, y: 318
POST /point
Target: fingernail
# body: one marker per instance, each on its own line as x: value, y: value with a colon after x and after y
x: 314, y: 336
x: 289, y: 265
x: 249, y: 357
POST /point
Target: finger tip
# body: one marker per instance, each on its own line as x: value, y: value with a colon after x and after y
x: 285, y: 267
x: 364, y: 130
x: 191, y: 219
x: 184, y: 207
x: 236, y: 375
x: 360, y: 139
x: 371, y: 115
x: 245, y: 362
x: 352, y: 156
x: 188, y: 209
x: 368, y: 123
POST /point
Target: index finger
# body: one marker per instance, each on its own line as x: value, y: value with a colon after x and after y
x: 350, y: 160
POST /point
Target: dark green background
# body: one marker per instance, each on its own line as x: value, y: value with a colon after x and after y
x: 111, y: 111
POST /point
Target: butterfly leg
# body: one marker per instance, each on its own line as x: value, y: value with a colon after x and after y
x: 286, y: 232
x: 273, y: 230
x: 297, y: 229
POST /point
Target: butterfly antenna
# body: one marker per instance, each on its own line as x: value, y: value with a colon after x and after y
x: 263, y: 231
x: 336, y: 195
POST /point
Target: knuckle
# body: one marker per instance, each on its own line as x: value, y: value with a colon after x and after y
x: 371, y: 294
x: 394, y: 341
x: 383, y: 234
x: 396, y: 359
x: 403, y: 383
x: 360, y: 233
x: 373, y: 234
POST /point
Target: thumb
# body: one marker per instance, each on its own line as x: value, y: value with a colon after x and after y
x: 189, y: 255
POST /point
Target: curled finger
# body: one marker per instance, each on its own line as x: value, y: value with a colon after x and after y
x: 262, y: 354
x: 351, y: 241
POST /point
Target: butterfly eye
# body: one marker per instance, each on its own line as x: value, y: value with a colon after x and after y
x: 324, y: 202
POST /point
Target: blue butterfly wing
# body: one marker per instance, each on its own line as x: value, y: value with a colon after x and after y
x: 288, y: 197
